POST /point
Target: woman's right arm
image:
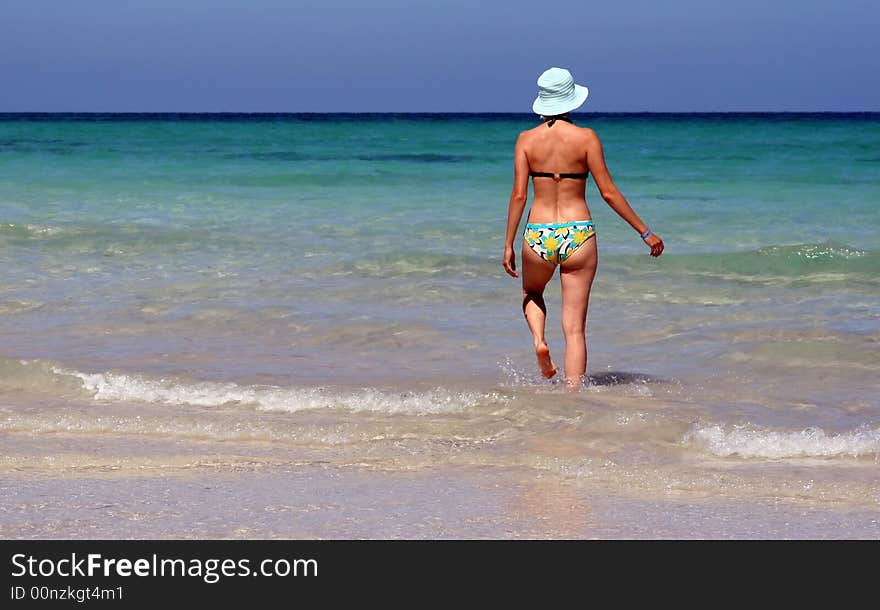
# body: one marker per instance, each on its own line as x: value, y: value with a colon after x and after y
x: 613, y: 197
x: 518, y: 197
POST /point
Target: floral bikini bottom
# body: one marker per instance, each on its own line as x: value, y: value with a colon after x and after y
x: 555, y: 242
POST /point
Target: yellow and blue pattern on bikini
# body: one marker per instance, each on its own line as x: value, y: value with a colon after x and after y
x: 555, y: 242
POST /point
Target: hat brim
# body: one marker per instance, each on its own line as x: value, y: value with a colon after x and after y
x: 556, y: 107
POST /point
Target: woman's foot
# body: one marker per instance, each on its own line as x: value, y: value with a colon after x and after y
x: 548, y: 369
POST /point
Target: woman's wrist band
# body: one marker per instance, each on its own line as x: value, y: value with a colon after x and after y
x: 645, y: 236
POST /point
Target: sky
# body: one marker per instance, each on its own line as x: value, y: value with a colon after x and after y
x: 436, y: 56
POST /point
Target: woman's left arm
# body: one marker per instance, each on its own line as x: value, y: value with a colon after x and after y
x: 518, y: 198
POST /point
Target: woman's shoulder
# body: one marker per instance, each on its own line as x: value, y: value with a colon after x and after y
x: 589, y: 132
x: 589, y: 138
x: 527, y: 133
x: 525, y: 137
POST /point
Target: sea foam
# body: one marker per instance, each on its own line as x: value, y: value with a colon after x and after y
x: 754, y: 442
x: 131, y: 387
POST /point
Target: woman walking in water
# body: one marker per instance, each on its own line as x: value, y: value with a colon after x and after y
x: 559, y: 230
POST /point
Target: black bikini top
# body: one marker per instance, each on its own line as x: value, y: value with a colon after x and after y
x: 582, y: 176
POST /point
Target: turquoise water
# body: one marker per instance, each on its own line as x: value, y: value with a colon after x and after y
x: 330, y: 279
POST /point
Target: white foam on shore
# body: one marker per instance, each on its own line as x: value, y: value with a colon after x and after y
x: 752, y: 442
x: 123, y: 387
x: 29, y: 230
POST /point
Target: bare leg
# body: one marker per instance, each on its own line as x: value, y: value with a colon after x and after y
x: 536, y: 272
x: 576, y: 276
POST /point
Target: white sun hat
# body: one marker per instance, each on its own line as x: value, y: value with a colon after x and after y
x: 557, y: 93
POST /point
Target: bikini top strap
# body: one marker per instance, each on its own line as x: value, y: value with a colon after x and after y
x: 553, y: 120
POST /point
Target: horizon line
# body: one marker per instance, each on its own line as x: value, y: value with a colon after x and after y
x: 423, y: 113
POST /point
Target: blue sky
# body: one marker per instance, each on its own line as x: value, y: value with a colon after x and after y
x: 440, y: 55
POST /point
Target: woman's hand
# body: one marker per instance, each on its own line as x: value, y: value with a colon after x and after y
x: 655, y: 243
x: 509, y: 261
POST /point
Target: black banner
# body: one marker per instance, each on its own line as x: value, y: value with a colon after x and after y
x: 133, y: 573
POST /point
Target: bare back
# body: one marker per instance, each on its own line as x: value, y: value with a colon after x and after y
x: 559, y: 149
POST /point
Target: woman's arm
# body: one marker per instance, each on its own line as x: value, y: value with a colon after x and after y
x: 613, y: 197
x: 518, y: 198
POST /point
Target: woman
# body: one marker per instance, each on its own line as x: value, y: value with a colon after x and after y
x: 559, y: 230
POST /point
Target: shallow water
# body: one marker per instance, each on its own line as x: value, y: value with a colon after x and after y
x: 321, y: 298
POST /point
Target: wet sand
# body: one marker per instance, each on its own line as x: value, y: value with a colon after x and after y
x: 246, y: 493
